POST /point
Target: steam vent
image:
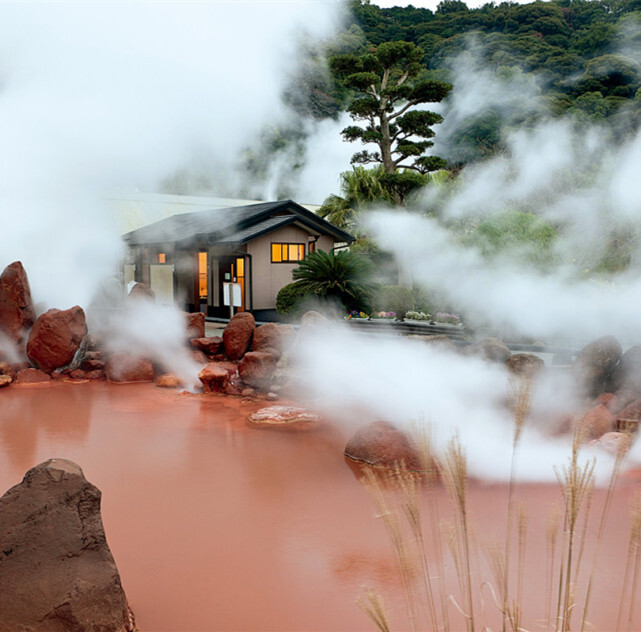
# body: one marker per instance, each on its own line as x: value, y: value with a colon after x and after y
x: 56, y: 571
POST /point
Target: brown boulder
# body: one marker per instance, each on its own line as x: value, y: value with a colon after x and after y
x: 595, y: 423
x: 31, y: 376
x: 237, y: 336
x: 268, y: 336
x: 122, y: 367
x: 210, y: 346
x: 257, y: 368
x: 168, y: 381
x: 195, y: 325
x: 595, y: 363
x: 56, y: 570
x: 628, y: 418
x: 525, y: 364
x: 55, y: 338
x: 16, y: 308
x: 382, y: 444
x: 216, y: 375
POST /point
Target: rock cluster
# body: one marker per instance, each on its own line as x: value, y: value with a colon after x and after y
x: 56, y: 569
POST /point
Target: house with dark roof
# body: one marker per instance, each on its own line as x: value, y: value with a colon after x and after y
x: 244, y: 255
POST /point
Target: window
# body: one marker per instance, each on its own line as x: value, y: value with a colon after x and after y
x: 162, y: 258
x: 284, y: 253
x: 202, y: 275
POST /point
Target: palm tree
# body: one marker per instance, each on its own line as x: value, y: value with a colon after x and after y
x: 336, y: 274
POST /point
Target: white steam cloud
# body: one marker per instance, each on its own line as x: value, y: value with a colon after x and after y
x: 104, y: 97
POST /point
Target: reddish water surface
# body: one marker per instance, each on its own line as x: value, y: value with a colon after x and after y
x: 218, y: 525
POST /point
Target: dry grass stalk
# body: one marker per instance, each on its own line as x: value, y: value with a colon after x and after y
x: 520, y: 402
x: 455, y: 475
x: 374, y: 607
x: 622, y: 452
x: 576, y: 483
x: 632, y: 562
x: 554, y: 521
x: 394, y: 531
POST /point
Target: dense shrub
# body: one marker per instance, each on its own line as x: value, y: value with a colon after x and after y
x: 289, y: 300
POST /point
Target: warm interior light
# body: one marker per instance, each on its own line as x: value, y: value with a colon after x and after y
x: 162, y: 258
x: 202, y: 274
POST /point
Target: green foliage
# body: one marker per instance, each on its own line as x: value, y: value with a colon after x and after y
x: 519, y: 235
x: 289, y: 300
x: 388, y: 85
x: 338, y: 275
x: 394, y: 298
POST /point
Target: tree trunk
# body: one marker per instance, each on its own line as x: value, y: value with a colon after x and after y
x: 386, y: 144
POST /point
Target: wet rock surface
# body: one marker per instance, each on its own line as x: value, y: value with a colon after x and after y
x: 55, y: 338
x: 382, y: 444
x: 122, y: 367
x: 238, y: 334
x: 57, y: 573
x: 268, y: 337
x: 195, y: 325
x: 257, y: 368
x: 210, y: 346
x: 31, y: 376
x: 283, y: 416
x: 525, y: 364
x: 216, y: 376
x: 16, y: 307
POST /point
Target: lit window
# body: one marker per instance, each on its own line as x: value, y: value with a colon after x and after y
x: 284, y: 253
x: 162, y: 258
x: 202, y: 274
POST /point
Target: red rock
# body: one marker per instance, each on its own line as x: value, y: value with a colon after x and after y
x: 57, y: 572
x: 200, y: 357
x: 141, y: 291
x: 283, y: 416
x: 215, y: 376
x: 257, y: 368
x: 525, y: 364
x: 7, y: 369
x: 210, y: 346
x: 97, y: 374
x: 268, y: 337
x: 613, y: 442
x: 195, y: 325
x: 382, y: 444
x: 168, y: 381
x: 78, y: 374
x: 16, y: 308
x: 628, y: 418
x: 595, y: 423
x: 246, y: 392
x: 5, y: 380
x: 31, y: 376
x: 237, y: 336
x: 122, y: 367
x: 55, y: 338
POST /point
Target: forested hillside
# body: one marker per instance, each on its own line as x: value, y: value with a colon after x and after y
x: 576, y: 57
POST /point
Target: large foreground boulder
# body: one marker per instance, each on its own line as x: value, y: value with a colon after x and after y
x: 55, y: 338
x: 57, y: 573
x: 237, y: 336
x: 382, y: 444
x: 16, y: 307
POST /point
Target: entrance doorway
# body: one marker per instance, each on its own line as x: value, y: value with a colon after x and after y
x: 231, y: 270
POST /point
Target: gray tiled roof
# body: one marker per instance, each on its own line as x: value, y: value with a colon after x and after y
x: 237, y: 224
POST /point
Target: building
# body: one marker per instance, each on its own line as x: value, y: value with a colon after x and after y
x: 245, y: 254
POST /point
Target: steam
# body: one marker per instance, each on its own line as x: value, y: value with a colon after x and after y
x: 102, y: 99
x: 408, y: 382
